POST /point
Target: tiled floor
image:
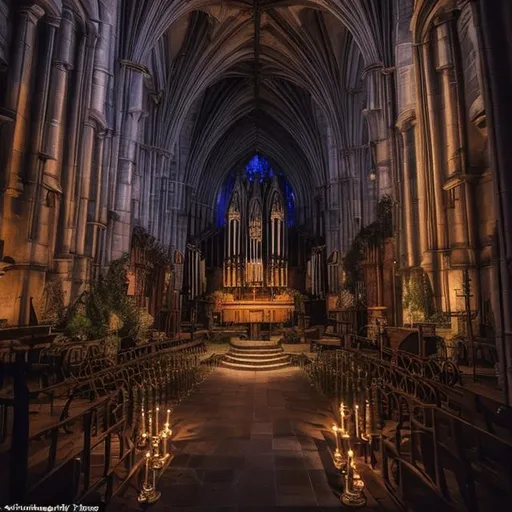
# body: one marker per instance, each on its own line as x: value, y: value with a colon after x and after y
x: 246, y: 441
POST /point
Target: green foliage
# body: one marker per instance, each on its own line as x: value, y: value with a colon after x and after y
x: 417, y: 297
x: 372, y: 235
x: 79, y: 327
x: 91, y: 316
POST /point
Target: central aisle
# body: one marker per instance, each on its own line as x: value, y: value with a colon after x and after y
x: 250, y: 441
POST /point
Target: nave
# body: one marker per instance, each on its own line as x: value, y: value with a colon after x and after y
x: 254, y: 441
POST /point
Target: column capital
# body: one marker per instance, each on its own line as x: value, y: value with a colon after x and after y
x: 32, y: 13
x: 446, y: 17
x: 53, y: 21
x: 406, y: 120
x: 376, y: 66
x: 135, y: 66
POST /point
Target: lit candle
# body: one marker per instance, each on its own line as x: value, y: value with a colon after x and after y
x: 357, y: 421
x: 368, y: 421
x: 167, y: 422
x: 165, y: 443
x: 146, y: 478
x: 156, y: 422
x: 150, y: 424
x: 350, y: 457
x: 335, y: 429
x: 143, y: 427
x: 342, y: 415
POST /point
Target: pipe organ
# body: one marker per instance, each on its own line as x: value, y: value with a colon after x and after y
x: 196, y: 272
x: 256, y: 235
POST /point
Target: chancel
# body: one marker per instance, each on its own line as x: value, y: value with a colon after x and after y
x: 256, y: 254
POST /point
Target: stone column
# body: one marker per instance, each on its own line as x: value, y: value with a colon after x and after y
x: 377, y: 116
x: 18, y: 94
x: 407, y: 131
x: 133, y: 83
x: 439, y: 241
x: 494, y: 26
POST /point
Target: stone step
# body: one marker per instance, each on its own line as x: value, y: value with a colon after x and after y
x: 256, y: 353
x: 257, y: 362
x: 255, y: 344
x: 240, y: 366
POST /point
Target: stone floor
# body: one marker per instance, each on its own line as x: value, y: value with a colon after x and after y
x: 250, y: 441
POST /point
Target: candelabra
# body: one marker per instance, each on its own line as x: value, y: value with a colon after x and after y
x: 353, y: 492
x: 362, y: 423
x: 142, y: 440
x: 149, y: 494
x: 155, y: 459
x: 339, y: 460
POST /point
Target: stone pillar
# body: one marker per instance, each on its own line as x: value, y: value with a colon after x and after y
x: 133, y: 83
x: 494, y: 25
x: 407, y: 128
x: 376, y: 113
x: 438, y: 243
x: 18, y: 94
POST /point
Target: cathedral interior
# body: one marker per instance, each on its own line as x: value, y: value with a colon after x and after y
x: 256, y: 255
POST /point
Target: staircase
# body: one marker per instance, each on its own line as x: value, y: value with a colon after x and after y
x: 255, y: 356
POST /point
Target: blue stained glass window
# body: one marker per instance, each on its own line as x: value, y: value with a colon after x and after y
x: 290, y: 203
x: 258, y: 168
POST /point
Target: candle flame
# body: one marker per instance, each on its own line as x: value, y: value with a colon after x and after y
x: 357, y: 406
x: 350, y: 453
x: 335, y: 428
x: 148, y: 455
x: 169, y: 411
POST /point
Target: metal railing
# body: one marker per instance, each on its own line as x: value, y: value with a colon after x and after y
x: 99, y: 419
x: 425, y: 441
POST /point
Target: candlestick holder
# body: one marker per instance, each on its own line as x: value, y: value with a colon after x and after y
x: 338, y: 459
x: 157, y: 459
x: 142, y: 441
x: 149, y: 494
x: 353, y: 492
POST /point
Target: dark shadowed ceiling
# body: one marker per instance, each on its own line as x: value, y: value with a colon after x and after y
x: 233, y: 78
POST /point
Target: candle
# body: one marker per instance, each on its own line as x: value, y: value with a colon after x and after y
x: 357, y: 421
x: 146, y: 478
x: 167, y: 422
x: 367, y: 420
x: 342, y: 414
x: 335, y: 429
x: 143, y: 427
x: 165, y: 443
x: 156, y: 422
x: 350, y: 457
x: 150, y: 425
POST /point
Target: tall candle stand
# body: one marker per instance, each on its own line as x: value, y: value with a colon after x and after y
x: 339, y: 460
x: 165, y: 434
x: 142, y: 440
x: 149, y: 494
x: 353, y: 492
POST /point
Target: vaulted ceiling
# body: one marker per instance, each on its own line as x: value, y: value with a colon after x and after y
x: 231, y: 78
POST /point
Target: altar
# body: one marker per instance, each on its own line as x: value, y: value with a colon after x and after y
x: 255, y: 311
x: 277, y: 310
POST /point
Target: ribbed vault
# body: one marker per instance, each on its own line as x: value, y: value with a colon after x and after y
x: 233, y: 78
